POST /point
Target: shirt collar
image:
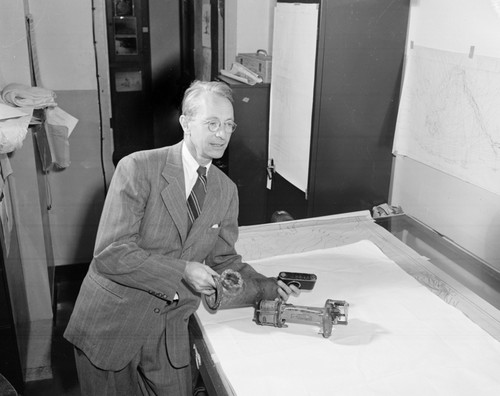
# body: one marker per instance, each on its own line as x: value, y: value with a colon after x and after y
x: 189, y: 162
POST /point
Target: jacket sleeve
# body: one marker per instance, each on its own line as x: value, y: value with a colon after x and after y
x: 224, y: 255
x: 120, y: 253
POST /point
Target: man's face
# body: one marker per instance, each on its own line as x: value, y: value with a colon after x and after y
x: 203, y: 144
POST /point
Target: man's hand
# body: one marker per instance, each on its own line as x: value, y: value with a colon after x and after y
x: 286, y: 291
x: 200, y: 277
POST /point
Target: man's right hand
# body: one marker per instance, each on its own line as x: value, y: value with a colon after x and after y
x: 200, y: 277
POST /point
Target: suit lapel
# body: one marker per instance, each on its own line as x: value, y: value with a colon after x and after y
x: 173, y: 194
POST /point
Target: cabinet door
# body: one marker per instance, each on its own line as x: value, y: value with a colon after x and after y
x: 358, y: 77
x: 356, y: 102
x: 247, y: 151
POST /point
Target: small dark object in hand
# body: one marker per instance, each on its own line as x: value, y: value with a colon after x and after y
x: 302, y: 280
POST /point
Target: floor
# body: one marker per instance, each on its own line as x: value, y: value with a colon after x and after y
x: 64, y: 381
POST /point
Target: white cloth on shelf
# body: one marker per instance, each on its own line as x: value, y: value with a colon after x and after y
x: 13, y: 128
x: 24, y: 95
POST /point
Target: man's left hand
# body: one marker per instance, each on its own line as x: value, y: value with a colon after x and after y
x: 286, y: 291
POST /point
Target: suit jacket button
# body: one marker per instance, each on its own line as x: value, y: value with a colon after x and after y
x: 157, y: 310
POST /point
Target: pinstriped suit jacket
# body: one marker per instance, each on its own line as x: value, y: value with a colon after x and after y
x: 141, y: 250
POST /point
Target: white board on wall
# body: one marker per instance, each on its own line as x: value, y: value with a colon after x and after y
x: 448, y: 114
x: 292, y: 89
x: 466, y: 214
x: 446, y: 171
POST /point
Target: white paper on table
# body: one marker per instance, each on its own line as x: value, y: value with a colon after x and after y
x: 401, y: 339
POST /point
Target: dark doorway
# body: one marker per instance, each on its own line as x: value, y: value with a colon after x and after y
x: 156, y: 49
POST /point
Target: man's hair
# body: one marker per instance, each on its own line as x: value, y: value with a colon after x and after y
x: 191, y: 101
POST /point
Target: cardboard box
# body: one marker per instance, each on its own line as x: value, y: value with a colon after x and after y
x: 258, y: 62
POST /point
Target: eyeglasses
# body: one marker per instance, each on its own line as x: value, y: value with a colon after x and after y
x: 214, y: 125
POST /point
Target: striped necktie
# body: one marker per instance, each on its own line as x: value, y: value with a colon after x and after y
x: 197, y: 196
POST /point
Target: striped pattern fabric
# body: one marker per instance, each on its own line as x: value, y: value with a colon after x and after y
x: 197, y: 196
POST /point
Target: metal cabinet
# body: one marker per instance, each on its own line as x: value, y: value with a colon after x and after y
x: 360, y: 50
x: 247, y: 151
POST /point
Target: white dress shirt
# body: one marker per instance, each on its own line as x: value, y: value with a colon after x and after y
x: 190, y: 166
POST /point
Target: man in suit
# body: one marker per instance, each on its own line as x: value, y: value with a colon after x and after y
x: 153, y: 258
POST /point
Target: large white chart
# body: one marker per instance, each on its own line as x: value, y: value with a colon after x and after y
x: 401, y: 339
x: 448, y: 115
x: 294, y: 57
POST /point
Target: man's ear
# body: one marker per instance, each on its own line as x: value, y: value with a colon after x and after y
x: 183, y: 120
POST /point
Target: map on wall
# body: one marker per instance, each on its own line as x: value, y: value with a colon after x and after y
x: 449, y: 115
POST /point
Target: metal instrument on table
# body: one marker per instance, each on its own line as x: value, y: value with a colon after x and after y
x: 278, y: 314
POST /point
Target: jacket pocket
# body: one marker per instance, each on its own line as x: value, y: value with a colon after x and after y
x: 107, y: 285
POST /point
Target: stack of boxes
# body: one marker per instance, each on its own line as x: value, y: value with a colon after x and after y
x: 258, y: 62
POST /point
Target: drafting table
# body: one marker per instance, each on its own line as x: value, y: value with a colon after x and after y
x: 423, y: 319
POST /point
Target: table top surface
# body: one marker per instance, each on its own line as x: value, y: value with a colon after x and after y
x: 455, y: 276
x: 473, y: 273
